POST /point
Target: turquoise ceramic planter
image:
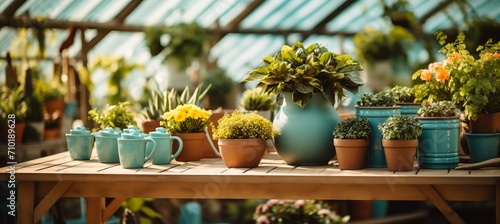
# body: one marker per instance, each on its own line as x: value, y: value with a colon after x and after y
x: 409, y: 109
x: 439, y: 143
x: 376, y: 116
x: 306, y: 133
x: 483, y: 146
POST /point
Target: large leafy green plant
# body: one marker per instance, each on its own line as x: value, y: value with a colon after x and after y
x: 303, y: 71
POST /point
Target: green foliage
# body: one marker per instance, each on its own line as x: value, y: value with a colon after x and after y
x: 221, y: 83
x: 161, y: 102
x: 35, y: 109
x: 400, y: 14
x: 302, y: 71
x: 400, y: 127
x: 380, y: 99
x: 297, y: 212
x: 238, y: 125
x: 402, y: 94
x: 118, y: 115
x: 12, y: 101
x: 256, y: 99
x: 353, y: 128
x: 374, y: 45
x: 438, y: 109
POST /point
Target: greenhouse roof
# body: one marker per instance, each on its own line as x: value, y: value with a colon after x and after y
x: 251, y: 29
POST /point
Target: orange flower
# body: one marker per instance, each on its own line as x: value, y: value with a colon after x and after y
x: 456, y: 56
x: 488, y: 56
x: 496, y: 55
x: 425, y: 75
x: 442, y: 74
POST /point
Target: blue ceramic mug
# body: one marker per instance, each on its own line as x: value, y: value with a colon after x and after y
x: 80, y: 143
x: 163, y: 154
x: 132, y: 149
x: 106, y: 145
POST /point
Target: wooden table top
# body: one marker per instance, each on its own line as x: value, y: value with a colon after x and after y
x: 272, y: 169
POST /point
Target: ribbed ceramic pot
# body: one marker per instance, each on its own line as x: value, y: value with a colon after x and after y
x: 306, y: 133
x: 409, y: 109
x: 483, y: 146
x: 376, y: 115
x: 439, y: 143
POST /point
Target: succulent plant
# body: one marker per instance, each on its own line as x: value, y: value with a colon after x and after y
x: 353, y: 128
x: 381, y: 99
x: 256, y: 99
x: 438, y: 109
x: 400, y: 127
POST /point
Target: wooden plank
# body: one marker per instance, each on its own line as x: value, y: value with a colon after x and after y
x: 156, y: 168
x: 59, y: 167
x: 26, y: 202
x: 308, y: 169
x: 112, y: 207
x: 262, y: 169
x: 432, y: 172
x: 207, y: 169
x: 47, y: 164
x: 118, y: 169
x: 486, y: 172
x: 462, y: 173
x: 88, y: 166
x: 235, y: 170
x: 331, y: 170
x: 441, y: 204
x: 95, y: 208
x: 37, y: 161
x: 51, y: 198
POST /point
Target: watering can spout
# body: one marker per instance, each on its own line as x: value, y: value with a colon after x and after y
x: 211, y: 143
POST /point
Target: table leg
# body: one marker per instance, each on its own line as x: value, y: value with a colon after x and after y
x: 95, y: 208
x: 440, y: 204
x: 26, y: 200
x: 112, y: 207
x: 497, y: 204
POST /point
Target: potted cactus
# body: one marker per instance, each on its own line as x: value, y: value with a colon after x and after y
x: 351, y: 141
x: 400, y: 139
x: 258, y: 100
x: 376, y: 108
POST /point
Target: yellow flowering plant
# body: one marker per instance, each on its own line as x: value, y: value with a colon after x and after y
x: 471, y: 84
x: 187, y: 118
x: 238, y: 125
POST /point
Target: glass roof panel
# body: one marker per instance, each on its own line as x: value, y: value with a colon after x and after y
x: 4, y: 4
x: 231, y: 10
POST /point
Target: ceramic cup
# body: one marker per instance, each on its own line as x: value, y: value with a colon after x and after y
x: 80, y: 143
x: 132, y: 149
x: 163, y: 154
x: 106, y: 145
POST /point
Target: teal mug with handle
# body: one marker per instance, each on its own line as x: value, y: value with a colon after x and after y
x: 163, y: 154
x: 106, y: 145
x: 132, y: 149
x: 80, y: 143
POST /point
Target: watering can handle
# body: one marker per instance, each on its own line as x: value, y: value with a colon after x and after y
x: 209, y: 139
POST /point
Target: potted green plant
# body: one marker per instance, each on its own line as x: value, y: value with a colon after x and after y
x: 222, y: 85
x: 405, y: 98
x: 400, y: 135
x: 311, y: 79
x: 351, y: 141
x: 115, y: 116
x: 376, y: 107
x: 188, y: 122
x: 257, y: 100
x: 440, y: 141
x: 242, y: 138
x: 13, y: 113
x: 400, y: 15
x: 381, y: 51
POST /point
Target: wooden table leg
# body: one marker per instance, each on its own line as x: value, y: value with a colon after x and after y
x: 26, y: 200
x: 440, y: 204
x: 112, y: 207
x: 497, y: 204
x: 95, y: 208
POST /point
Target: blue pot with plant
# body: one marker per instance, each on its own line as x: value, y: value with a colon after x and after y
x: 312, y: 79
x: 376, y: 108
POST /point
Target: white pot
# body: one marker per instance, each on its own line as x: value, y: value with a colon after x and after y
x: 176, y: 77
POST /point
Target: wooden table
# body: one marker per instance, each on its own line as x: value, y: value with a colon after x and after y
x: 43, y: 181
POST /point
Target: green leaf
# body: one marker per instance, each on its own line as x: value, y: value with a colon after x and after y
x: 301, y: 99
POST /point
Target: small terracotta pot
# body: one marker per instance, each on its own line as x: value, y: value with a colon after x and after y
x: 192, y: 149
x: 400, y: 154
x: 351, y: 153
x: 150, y: 125
x: 242, y: 153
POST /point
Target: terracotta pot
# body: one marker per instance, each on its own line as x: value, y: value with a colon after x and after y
x: 192, y: 149
x: 150, y: 125
x: 351, y: 153
x: 52, y: 133
x: 400, y: 154
x: 485, y: 123
x: 242, y: 153
x: 52, y: 106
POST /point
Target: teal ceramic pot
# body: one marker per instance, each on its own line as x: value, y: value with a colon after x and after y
x: 376, y: 116
x: 80, y: 143
x: 306, y: 133
x: 163, y: 153
x: 483, y: 146
x: 409, y: 109
x: 132, y: 149
x: 106, y: 145
x: 439, y: 143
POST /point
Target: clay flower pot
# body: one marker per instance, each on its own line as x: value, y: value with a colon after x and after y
x: 242, y: 153
x: 351, y: 153
x: 400, y: 154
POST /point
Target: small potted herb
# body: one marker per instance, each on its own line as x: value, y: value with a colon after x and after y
x: 405, y: 98
x: 351, y: 141
x: 400, y: 139
x: 118, y: 116
x: 242, y: 138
